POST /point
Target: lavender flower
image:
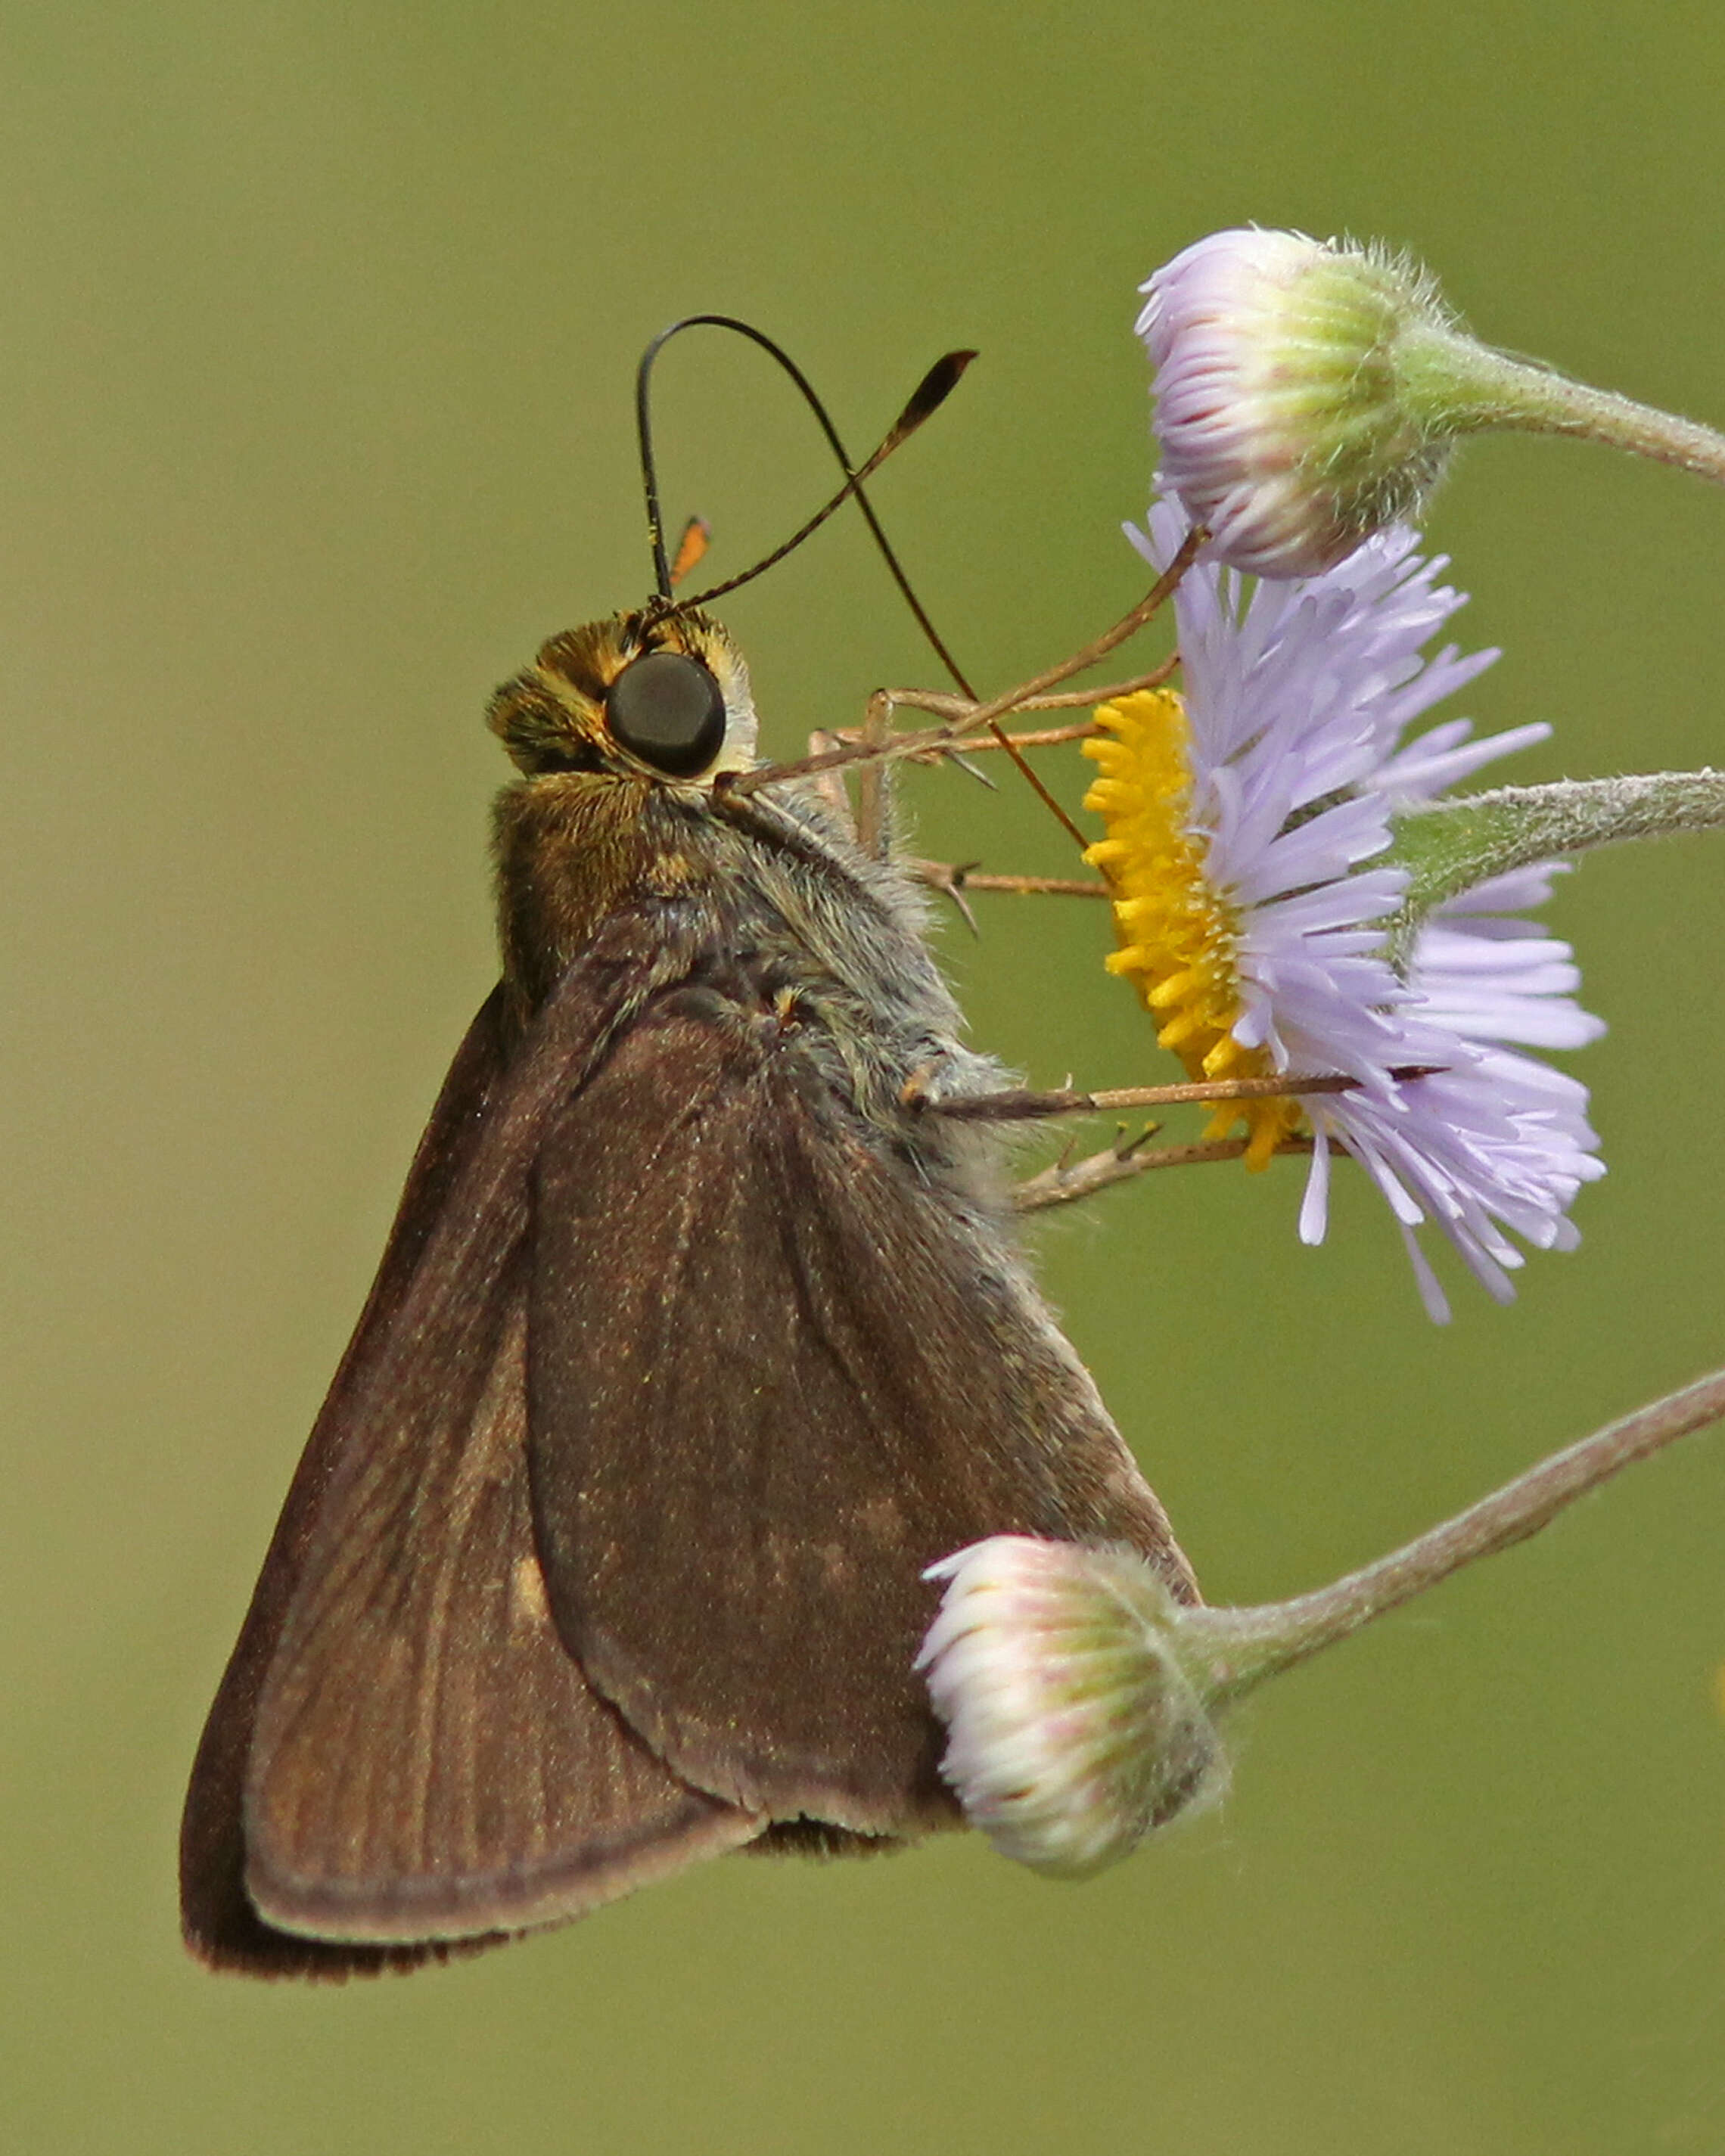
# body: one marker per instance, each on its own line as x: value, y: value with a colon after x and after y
x: 1248, y: 825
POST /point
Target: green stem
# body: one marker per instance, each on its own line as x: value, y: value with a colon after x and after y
x: 1228, y: 1652
x: 1461, y: 387
x: 1450, y: 847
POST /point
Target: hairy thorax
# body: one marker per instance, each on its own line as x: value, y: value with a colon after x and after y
x: 793, y: 924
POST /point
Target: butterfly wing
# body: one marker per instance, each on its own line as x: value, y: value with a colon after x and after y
x: 401, y: 1753
x: 429, y: 1760
x: 773, y: 1372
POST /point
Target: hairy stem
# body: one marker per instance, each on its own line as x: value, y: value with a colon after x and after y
x: 1230, y: 1651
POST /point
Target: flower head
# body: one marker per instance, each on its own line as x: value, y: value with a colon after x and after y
x: 1279, y: 404
x: 1073, y: 1727
x: 1249, y: 826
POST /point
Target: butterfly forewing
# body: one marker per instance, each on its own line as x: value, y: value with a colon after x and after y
x: 220, y: 1923
x: 401, y: 1749
x: 429, y: 1758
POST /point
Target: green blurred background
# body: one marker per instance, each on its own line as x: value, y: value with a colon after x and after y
x: 319, y: 326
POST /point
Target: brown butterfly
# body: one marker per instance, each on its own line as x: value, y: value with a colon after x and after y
x: 696, y: 1339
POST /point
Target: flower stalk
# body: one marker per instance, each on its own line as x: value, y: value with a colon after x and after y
x: 1228, y: 1652
x: 1451, y: 385
x: 1449, y: 847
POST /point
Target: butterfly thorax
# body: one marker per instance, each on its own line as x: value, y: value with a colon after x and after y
x: 783, y: 911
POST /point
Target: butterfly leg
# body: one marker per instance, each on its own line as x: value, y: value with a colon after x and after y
x: 1066, y: 1180
x: 874, y: 782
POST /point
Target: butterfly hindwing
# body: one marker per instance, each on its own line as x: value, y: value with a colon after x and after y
x: 773, y: 1372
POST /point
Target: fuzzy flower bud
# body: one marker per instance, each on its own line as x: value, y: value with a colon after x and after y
x: 1278, y: 405
x: 1307, y: 394
x: 1074, y: 1728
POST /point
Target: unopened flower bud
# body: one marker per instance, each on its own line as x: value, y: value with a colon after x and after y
x: 1308, y: 393
x: 1073, y: 1729
x: 1279, y: 409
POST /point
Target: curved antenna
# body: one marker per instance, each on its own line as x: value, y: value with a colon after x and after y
x: 930, y: 393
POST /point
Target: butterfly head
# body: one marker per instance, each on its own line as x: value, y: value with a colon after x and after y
x: 651, y: 693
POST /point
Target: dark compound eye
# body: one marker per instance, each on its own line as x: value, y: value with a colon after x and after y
x: 667, y: 710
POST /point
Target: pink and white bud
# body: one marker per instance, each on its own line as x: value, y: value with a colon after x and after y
x: 1073, y: 1729
x: 1279, y: 394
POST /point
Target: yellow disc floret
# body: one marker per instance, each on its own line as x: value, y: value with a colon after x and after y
x: 1179, y: 934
